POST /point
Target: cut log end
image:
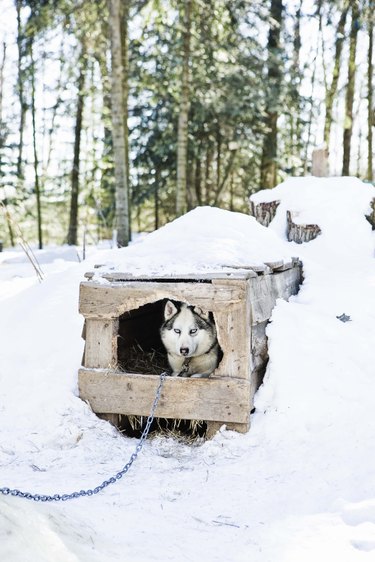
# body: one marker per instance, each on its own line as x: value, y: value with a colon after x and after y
x: 300, y: 233
x: 264, y: 212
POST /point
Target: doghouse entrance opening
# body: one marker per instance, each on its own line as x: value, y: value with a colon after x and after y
x: 139, y: 346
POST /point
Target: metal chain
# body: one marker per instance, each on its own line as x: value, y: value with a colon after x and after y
x: 105, y: 483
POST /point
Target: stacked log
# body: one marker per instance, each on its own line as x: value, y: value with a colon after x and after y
x: 264, y: 213
x: 300, y: 233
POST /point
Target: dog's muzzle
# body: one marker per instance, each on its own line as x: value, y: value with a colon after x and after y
x: 184, y: 351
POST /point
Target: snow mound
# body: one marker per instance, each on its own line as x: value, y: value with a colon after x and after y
x: 205, y: 239
x: 327, y: 202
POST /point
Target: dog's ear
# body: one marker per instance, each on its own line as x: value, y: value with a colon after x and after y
x: 169, y: 310
x: 201, y: 313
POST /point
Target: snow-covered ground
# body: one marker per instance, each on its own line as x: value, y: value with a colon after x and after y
x: 299, y: 487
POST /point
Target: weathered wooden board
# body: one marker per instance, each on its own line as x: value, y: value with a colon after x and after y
x: 213, y: 399
x: 112, y: 300
x: 101, y: 343
x: 266, y: 289
x: 232, y: 272
x: 233, y: 327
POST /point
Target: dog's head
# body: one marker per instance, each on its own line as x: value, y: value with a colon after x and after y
x: 187, y: 330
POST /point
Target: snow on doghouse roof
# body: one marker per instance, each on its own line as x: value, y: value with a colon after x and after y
x: 206, y: 239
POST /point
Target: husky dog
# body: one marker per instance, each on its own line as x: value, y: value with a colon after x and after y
x: 189, y: 336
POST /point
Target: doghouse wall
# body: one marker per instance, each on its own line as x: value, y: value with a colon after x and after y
x: 106, y: 307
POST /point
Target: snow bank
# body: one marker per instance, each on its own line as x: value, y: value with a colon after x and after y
x: 300, y: 486
x: 336, y: 204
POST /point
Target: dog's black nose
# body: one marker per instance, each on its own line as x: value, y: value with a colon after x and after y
x: 184, y: 350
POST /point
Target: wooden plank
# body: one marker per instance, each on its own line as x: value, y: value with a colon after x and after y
x: 252, y: 268
x: 112, y: 300
x: 233, y: 327
x: 101, y: 343
x: 238, y: 272
x: 213, y: 399
x: 266, y: 289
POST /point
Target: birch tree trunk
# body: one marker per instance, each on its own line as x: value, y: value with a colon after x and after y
x: 118, y: 124
x: 349, y: 99
x: 182, y: 133
x: 73, y: 218
x: 268, y: 168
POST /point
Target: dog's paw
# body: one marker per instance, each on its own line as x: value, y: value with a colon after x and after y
x: 199, y: 376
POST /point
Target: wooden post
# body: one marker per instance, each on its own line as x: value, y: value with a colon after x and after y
x: 101, y: 343
x: 320, y: 166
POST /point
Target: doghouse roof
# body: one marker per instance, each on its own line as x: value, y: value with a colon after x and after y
x: 206, y: 240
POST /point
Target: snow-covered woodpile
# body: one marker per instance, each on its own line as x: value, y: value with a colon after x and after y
x: 296, y: 231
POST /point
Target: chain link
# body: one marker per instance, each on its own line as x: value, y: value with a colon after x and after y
x: 105, y: 483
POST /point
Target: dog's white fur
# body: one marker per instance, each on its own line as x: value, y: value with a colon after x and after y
x: 189, y: 336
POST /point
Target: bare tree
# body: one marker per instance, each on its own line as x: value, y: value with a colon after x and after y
x: 268, y: 168
x: 349, y: 98
x: 332, y: 88
x: 370, y: 75
x: 37, y: 186
x: 73, y: 218
x: 21, y: 92
x: 118, y: 123
x: 183, y: 116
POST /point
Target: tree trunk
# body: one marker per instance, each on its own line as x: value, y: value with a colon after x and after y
x: 156, y: 199
x: 118, y: 125
x: 2, y: 84
x: 21, y: 94
x: 35, y: 151
x: 268, y: 169
x: 73, y: 218
x: 198, y: 174
x: 4, y: 202
x: 125, y: 6
x: 332, y: 90
x: 296, y: 124
x: 370, y: 74
x: 348, y: 124
x: 182, y: 133
x: 206, y: 197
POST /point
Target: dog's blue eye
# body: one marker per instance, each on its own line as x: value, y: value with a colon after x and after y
x: 193, y: 331
x: 177, y: 331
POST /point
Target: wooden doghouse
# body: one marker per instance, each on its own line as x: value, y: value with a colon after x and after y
x: 120, y: 310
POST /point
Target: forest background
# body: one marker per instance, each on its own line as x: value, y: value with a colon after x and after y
x: 122, y: 115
